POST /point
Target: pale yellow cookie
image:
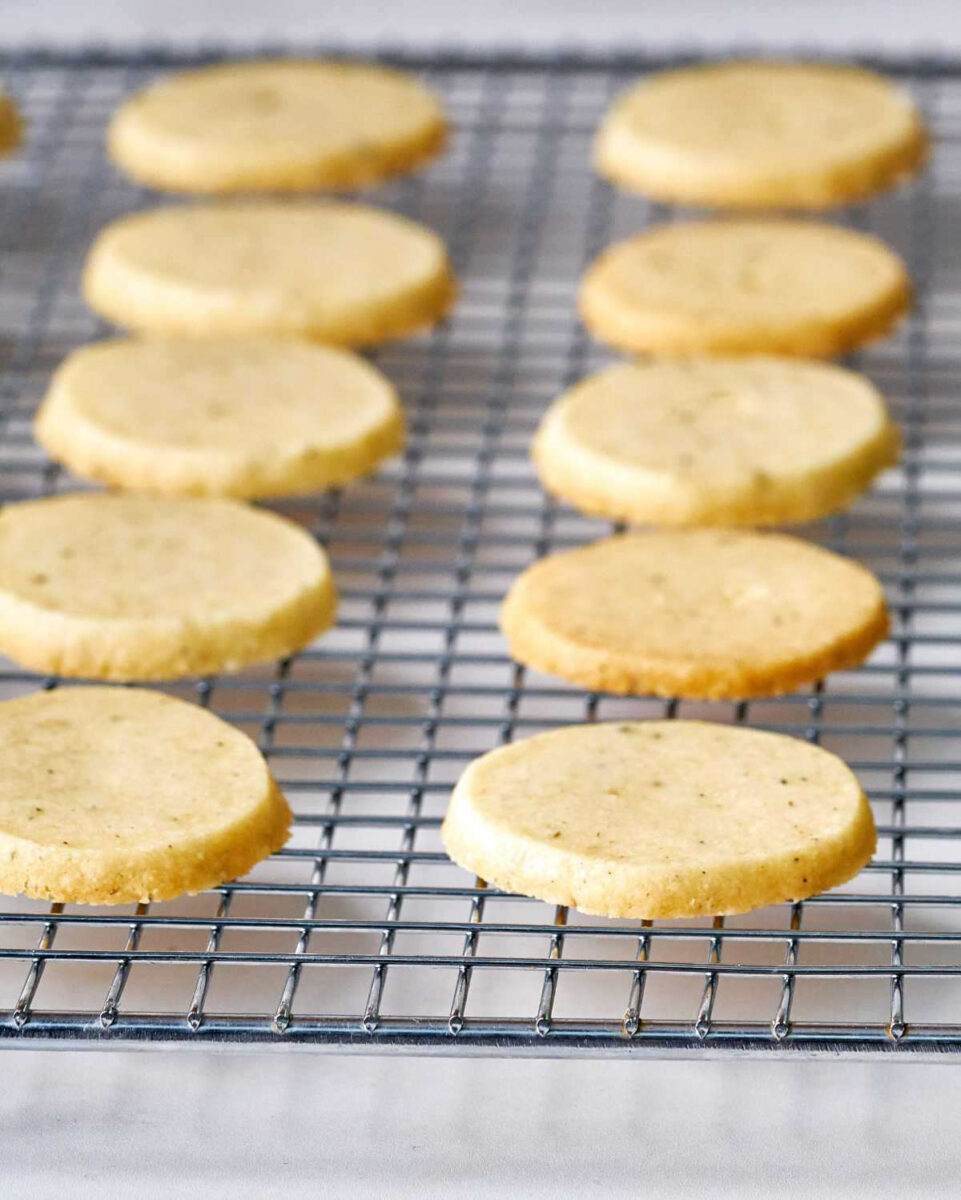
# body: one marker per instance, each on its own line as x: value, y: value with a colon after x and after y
x: 761, y: 135
x: 744, y: 287
x: 340, y: 273
x: 714, y: 441
x: 11, y: 127
x: 142, y: 587
x: 276, y: 126
x: 701, y: 613
x: 219, y: 417
x: 660, y: 819
x: 114, y: 796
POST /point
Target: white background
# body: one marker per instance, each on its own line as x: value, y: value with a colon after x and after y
x: 866, y: 24
x: 176, y: 1123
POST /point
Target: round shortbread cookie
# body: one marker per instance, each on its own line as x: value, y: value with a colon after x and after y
x: 139, y: 587
x: 703, y: 613
x: 761, y: 135
x: 276, y: 126
x: 116, y: 796
x: 11, y: 127
x: 712, y: 441
x: 660, y: 819
x: 744, y: 287
x: 340, y: 273
x: 219, y: 417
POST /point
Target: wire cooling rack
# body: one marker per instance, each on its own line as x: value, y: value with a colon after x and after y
x: 360, y: 934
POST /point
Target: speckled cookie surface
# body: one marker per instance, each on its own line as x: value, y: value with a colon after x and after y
x: 761, y: 135
x: 660, y: 819
x: 761, y: 286
x: 345, y: 274
x: 219, y: 417
x: 274, y: 125
x: 701, y: 613
x: 116, y: 795
x: 126, y: 587
x: 711, y: 441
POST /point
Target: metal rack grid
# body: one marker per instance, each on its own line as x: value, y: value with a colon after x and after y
x: 360, y: 934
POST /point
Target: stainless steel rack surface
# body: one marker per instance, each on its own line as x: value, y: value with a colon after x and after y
x: 360, y: 934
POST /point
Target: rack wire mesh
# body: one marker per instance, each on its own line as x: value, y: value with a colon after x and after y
x: 361, y: 934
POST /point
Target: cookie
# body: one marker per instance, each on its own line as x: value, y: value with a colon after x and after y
x: 11, y: 127
x: 715, y: 441
x: 340, y: 273
x: 276, y: 126
x: 761, y: 135
x: 708, y: 614
x: 744, y: 287
x: 219, y: 417
x: 138, y: 587
x: 660, y: 819
x: 113, y: 795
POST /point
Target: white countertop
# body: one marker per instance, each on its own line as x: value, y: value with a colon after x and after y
x: 163, y: 1123
x: 154, y: 1124
x: 655, y: 24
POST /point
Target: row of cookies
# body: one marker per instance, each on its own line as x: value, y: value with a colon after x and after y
x: 255, y: 415
x: 122, y: 795
x: 239, y: 385
x: 655, y: 819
